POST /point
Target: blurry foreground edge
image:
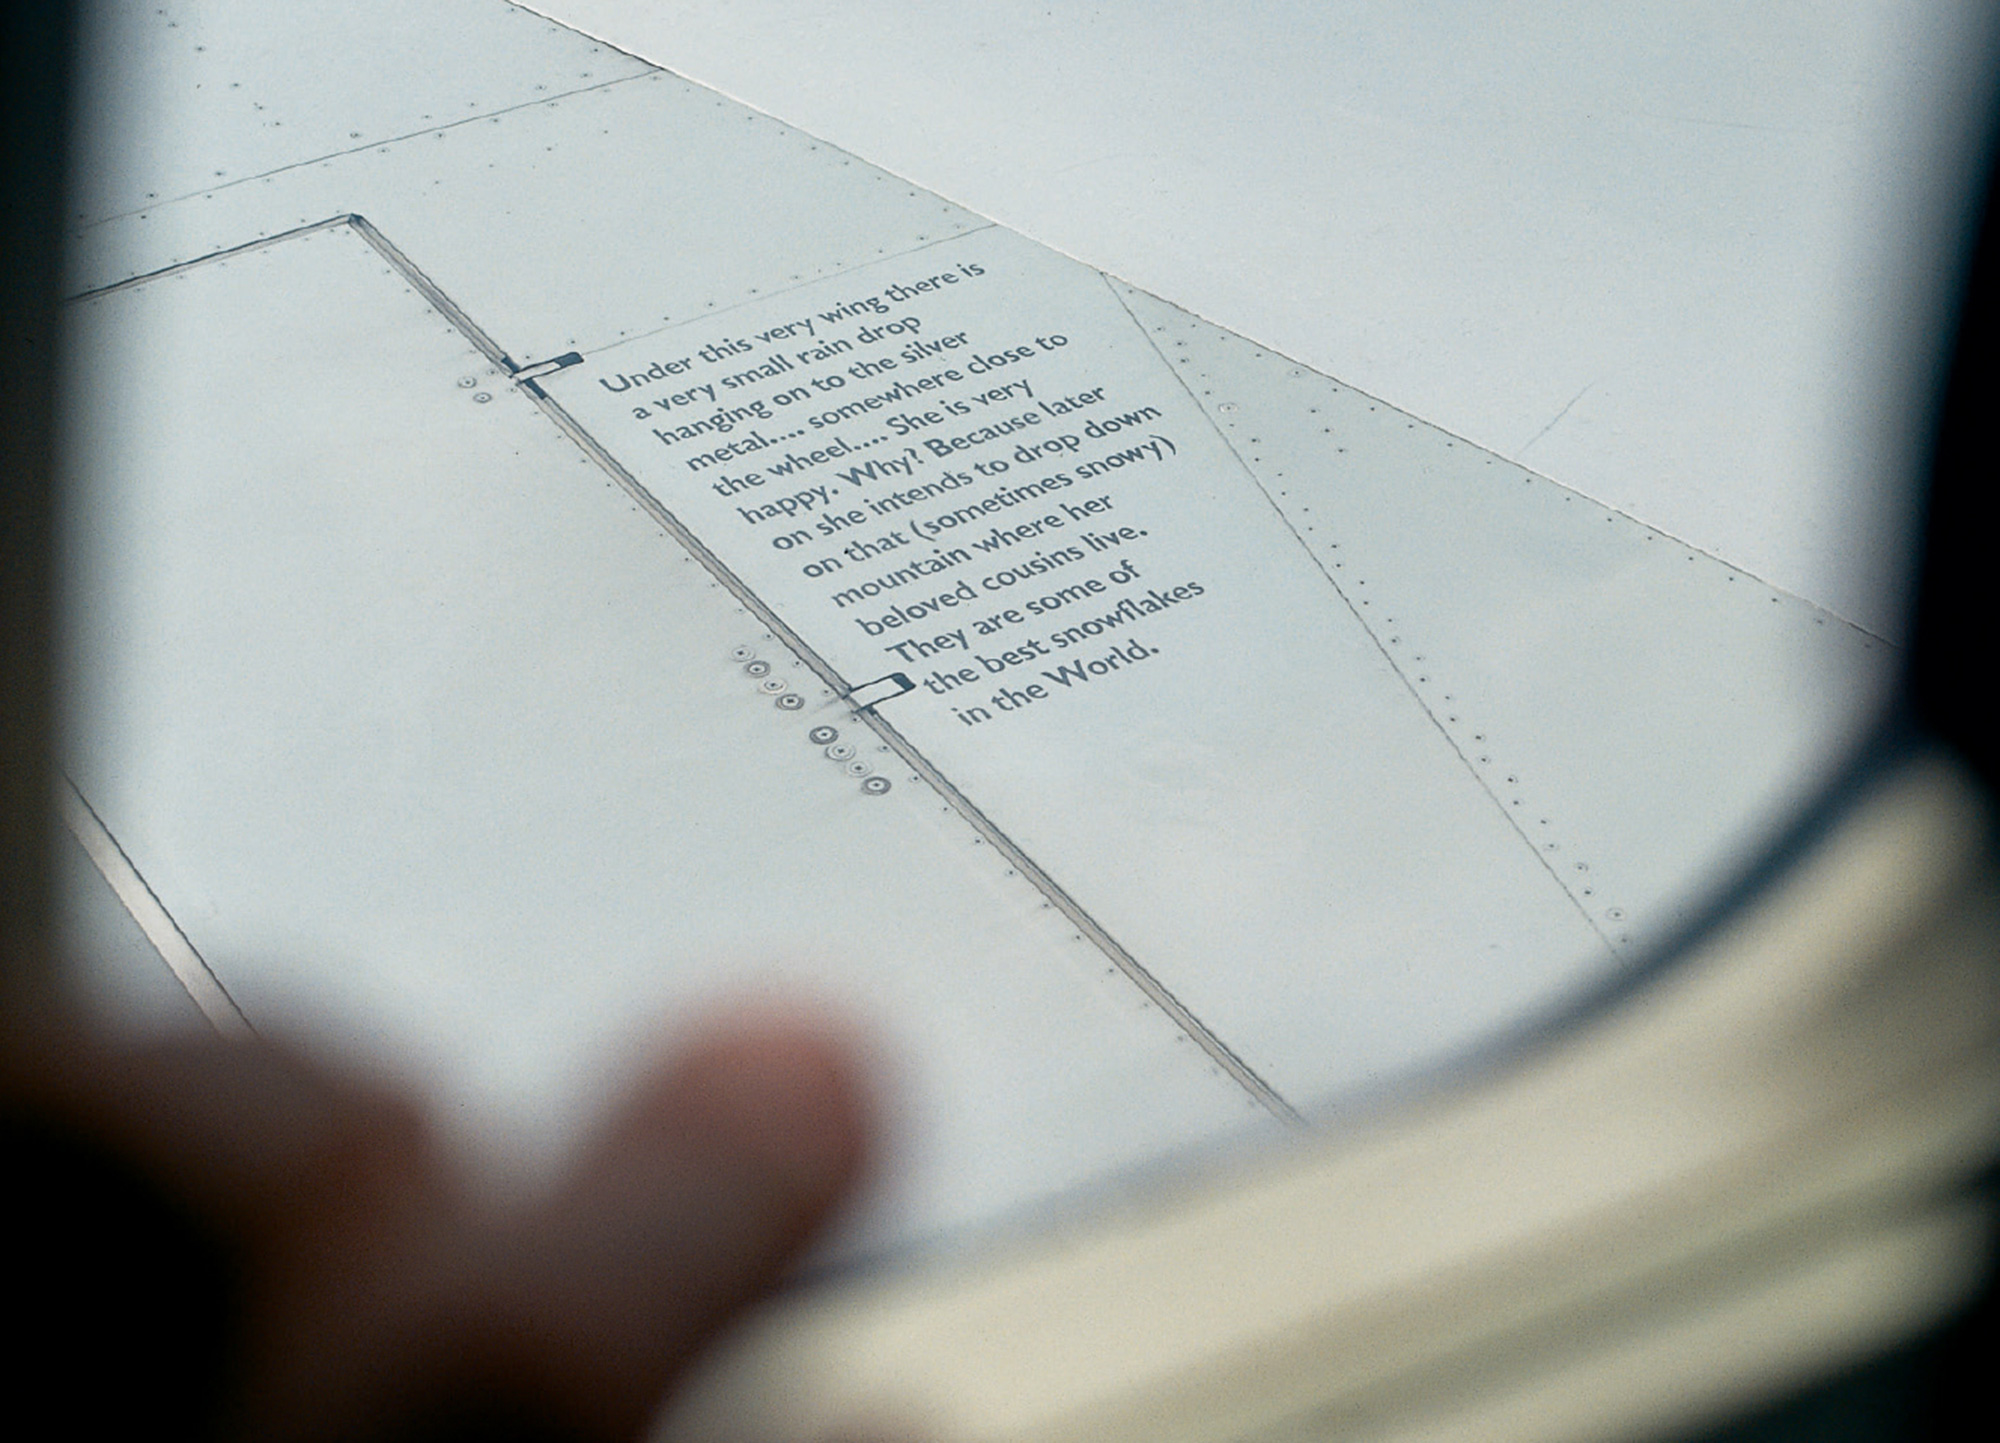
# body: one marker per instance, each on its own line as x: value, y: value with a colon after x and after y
x: 1752, y: 1173
x: 123, y: 1300
x: 33, y: 100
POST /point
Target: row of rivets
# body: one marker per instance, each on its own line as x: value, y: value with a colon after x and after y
x: 827, y: 739
x: 771, y: 686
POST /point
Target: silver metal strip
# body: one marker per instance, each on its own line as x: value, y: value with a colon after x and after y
x: 428, y: 289
x: 177, y: 267
x: 153, y: 918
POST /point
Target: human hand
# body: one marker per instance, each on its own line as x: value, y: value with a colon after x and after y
x: 313, y: 1267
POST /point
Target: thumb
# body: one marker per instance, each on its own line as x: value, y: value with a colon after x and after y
x: 691, y: 1205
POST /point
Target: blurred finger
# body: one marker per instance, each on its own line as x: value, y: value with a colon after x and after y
x: 689, y: 1206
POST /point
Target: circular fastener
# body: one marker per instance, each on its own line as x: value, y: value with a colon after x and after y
x: 841, y: 751
x: 742, y: 653
x: 875, y: 786
x: 466, y: 383
x: 858, y: 769
x: 482, y: 396
x: 772, y: 684
x: 791, y: 701
x: 759, y: 668
x: 1616, y: 914
x: 822, y: 736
